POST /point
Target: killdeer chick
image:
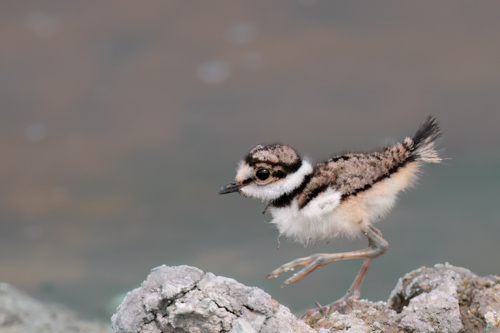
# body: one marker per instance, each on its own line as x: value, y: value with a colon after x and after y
x: 341, y: 196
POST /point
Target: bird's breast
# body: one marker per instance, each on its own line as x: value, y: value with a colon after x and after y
x: 318, y: 220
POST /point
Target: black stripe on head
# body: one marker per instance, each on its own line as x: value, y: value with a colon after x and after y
x: 279, y: 174
x: 274, y: 155
x: 291, y: 168
x: 288, y: 168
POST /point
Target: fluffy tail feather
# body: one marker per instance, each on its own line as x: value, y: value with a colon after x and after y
x: 422, y: 145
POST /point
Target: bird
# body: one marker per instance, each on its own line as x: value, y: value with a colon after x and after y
x: 341, y: 196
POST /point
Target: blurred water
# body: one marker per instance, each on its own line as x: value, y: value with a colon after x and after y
x: 120, y: 122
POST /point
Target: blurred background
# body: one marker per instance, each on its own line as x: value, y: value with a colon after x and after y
x: 120, y: 120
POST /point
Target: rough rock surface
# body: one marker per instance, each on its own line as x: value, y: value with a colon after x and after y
x: 20, y: 313
x: 443, y: 298
x: 182, y: 299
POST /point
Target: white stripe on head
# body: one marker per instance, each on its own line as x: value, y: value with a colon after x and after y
x: 283, y: 186
x: 244, y: 172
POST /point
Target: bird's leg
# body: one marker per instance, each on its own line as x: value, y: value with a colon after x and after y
x: 377, y: 246
x: 352, y: 293
x: 376, y: 242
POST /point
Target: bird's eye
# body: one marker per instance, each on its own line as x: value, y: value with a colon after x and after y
x: 262, y: 174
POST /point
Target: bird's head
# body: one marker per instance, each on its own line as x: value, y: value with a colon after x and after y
x: 268, y: 172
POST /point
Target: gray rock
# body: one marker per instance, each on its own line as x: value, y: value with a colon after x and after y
x: 182, y: 299
x: 20, y: 313
x: 442, y: 298
x: 447, y: 299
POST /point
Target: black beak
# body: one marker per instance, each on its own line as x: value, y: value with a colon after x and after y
x: 230, y: 188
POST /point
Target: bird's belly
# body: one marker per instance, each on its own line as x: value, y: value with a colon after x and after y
x: 296, y: 224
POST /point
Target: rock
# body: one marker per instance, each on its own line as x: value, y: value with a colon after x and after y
x: 448, y: 299
x: 436, y: 309
x: 20, y: 313
x: 185, y: 299
x: 443, y: 298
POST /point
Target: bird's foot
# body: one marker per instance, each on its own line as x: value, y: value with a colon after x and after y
x: 341, y: 305
x: 312, y: 262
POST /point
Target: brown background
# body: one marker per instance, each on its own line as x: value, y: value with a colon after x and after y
x: 120, y: 120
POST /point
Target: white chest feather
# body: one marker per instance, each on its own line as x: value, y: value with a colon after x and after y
x: 318, y: 220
